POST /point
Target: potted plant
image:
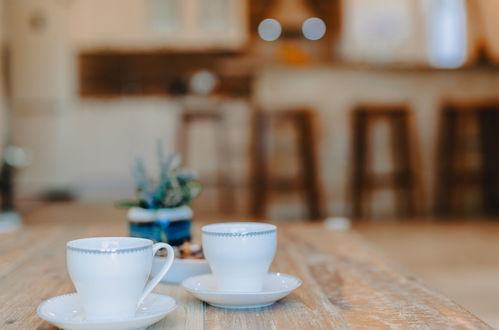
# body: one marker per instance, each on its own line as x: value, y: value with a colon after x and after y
x: 161, y: 210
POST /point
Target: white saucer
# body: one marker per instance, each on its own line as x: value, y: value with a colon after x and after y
x: 181, y: 269
x: 275, y: 287
x: 66, y: 313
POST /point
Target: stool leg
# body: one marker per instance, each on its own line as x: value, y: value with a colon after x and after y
x: 403, y: 180
x: 359, y: 142
x: 307, y: 156
x: 489, y: 135
x: 6, y: 188
x: 445, y: 160
x: 258, y: 166
x: 226, y: 196
x: 183, y: 137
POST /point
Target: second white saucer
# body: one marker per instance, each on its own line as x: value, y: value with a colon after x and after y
x: 276, y: 286
x: 66, y: 313
x: 181, y: 269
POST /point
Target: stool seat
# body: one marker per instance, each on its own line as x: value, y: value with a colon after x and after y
x: 191, y: 115
x: 306, y: 181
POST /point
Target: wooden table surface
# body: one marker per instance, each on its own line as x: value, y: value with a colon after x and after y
x: 346, y: 283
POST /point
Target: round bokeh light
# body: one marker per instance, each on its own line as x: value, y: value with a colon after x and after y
x: 314, y: 28
x: 203, y: 82
x: 269, y: 29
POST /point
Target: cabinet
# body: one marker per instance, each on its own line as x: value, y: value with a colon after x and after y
x: 146, y: 25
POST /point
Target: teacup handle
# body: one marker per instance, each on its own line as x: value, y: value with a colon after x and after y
x: 168, y: 263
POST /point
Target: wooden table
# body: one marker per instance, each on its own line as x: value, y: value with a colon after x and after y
x: 346, y: 284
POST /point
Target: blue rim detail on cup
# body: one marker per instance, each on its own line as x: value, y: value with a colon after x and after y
x: 108, y: 251
x: 118, y: 250
x: 239, y: 234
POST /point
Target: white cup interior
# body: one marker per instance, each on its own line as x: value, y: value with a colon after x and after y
x: 109, y: 244
x: 238, y: 228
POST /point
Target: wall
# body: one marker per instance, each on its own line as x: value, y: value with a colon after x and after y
x: 96, y: 140
x: 485, y: 12
x: 42, y: 86
x: 3, y: 100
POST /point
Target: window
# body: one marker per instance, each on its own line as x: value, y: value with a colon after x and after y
x: 447, y: 33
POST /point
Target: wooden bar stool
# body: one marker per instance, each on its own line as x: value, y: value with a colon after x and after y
x: 401, y: 178
x: 226, y: 197
x: 454, y: 174
x: 261, y: 183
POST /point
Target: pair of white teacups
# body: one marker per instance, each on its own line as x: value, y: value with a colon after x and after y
x: 110, y: 273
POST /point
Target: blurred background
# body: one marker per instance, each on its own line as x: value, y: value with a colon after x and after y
x: 379, y: 113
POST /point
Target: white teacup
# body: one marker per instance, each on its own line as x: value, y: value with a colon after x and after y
x: 110, y: 273
x: 239, y: 254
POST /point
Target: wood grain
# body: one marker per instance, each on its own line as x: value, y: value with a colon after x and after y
x: 346, y: 283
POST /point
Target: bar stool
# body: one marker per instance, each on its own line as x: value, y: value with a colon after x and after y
x: 401, y: 179
x: 226, y: 197
x: 453, y: 174
x: 261, y: 183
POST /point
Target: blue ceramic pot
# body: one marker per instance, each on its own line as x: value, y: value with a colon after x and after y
x: 172, y: 226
